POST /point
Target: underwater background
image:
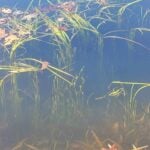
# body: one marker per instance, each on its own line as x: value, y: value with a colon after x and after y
x: 74, y: 75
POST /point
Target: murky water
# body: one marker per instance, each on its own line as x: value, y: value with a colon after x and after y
x: 74, y: 75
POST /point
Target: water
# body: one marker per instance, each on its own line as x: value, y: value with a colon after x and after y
x: 94, y: 94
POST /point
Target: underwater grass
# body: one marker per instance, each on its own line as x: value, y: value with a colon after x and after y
x: 141, y: 84
x: 131, y: 104
x: 91, y: 141
x: 126, y: 39
x: 11, y: 72
x: 115, y: 92
x: 36, y: 118
x: 141, y: 30
x: 56, y: 31
x: 56, y: 71
x: 39, y: 3
x: 67, y: 102
x: 106, y: 14
x: 20, y: 67
x: 79, y: 23
x: 131, y: 37
x: 123, y: 8
x: 68, y: 94
x: 30, y: 4
x: 25, y: 32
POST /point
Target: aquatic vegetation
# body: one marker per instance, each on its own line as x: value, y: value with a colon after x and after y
x: 70, y: 108
x: 20, y: 67
x: 12, y: 71
x: 114, y: 93
x: 18, y: 34
x: 58, y: 32
x: 47, y: 46
x: 79, y: 23
x: 142, y: 30
x: 95, y: 143
x: 10, y: 39
x: 131, y: 104
x: 19, y: 145
x: 29, y: 17
x: 56, y: 71
x: 126, y: 39
x: 123, y: 8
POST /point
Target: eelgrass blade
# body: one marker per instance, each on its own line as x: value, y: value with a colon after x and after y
x: 126, y: 39
x: 123, y: 8
x: 130, y: 83
x: 30, y: 4
x: 56, y: 71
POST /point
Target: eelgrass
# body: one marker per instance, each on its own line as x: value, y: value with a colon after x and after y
x: 116, y: 92
x: 142, y: 86
x: 142, y: 29
x: 36, y: 110
x: 78, y: 22
x: 61, y: 35
x: 24, y: 31
x: 32, y: 2
x: 126, y: 39
x: 56, y: 71
x: 131, y: 104
x: 10, y: 73
x: 106, y: 14
x: 123, y: 8
x: 25, y: 68
x: 67, y: 102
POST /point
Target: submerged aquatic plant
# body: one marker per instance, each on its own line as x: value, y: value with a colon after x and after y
x: 57, y: 31
x: 20, y: 67
x: 79, y: 23
x: 131, y: 104
x: 56, y: 71
x: 123, y: 8
x: 19, y: 33
x: 109, y: 36
x: 113, y: 93
x: 67, y: 100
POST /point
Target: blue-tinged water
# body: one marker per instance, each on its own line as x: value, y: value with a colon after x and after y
x: 40, y: 108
